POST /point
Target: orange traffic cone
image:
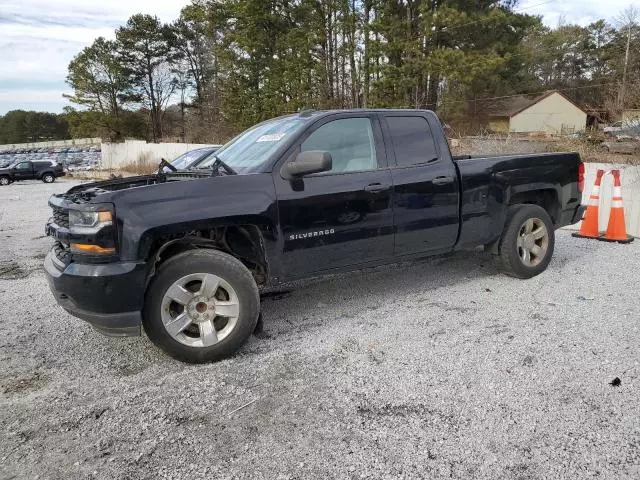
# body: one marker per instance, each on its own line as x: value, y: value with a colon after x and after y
x: 617, y: 230
x: 589, y: 227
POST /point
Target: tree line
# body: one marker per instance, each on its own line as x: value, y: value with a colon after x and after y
x: 225, y: 65
x: 19, y: 126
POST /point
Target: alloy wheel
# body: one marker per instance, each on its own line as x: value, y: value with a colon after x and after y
x: 533, y: 242
x: 200, y: 310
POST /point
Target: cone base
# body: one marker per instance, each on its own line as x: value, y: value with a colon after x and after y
x: 580, y: 235
x: 629, y: 239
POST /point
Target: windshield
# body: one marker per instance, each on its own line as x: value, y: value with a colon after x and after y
x: 248, y: 151
x: 186, y: 159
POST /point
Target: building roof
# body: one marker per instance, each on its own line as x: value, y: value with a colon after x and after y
x: 513, y: 105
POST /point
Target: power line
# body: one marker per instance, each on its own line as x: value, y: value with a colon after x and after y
x: 566, y: 89
x: 503, y: 97
x: 484, y: 19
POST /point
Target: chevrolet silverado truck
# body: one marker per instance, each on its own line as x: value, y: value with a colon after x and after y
x: 37, y: 170
x: 186, y: 254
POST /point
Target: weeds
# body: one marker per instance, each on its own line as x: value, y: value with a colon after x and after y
x: 143, y: 165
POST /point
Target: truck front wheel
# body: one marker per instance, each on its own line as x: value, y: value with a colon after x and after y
x: 201, y: 306
x: 527, y: 243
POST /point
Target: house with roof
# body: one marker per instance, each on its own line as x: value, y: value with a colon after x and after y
x: 549, y: 113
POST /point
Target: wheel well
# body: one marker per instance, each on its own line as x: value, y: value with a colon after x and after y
x: 547, y: 199
x: 244, y: 242
x: 47, y: 172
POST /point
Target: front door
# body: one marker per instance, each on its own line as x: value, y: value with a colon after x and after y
x: 23, y: 171
x: 343, y: 217
x: 425, y: 183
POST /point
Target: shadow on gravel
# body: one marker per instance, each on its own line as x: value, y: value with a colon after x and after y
x: 375, y: 290
x: 11, y: 270
x: 367, y: 295
x: 371, y: 290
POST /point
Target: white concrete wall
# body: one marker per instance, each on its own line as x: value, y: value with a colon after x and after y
x: 76, y: 142
x: 630, y: 179
x: 115, y: 155
x: 553, y: 114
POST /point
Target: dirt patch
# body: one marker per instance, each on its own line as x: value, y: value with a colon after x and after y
x: 10, y: 270
x: 33, y: 381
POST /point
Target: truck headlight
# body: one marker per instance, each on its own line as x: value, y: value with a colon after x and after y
x: 89, y: 220
x: 92, y: 232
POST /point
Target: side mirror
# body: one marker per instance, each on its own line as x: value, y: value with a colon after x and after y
x: 306, y: 163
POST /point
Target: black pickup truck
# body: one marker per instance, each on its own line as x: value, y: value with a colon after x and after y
x: 40, y: 170
x: 186, y: 254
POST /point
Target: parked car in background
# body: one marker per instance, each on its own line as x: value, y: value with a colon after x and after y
x: 192, y: 158
x: 613, y: 128
x: 42, y: 170
x: 624, y: 129
x: 629, y: 147
x: 186, y: 253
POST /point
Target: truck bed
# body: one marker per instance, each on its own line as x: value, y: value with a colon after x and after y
x: 489, y: 184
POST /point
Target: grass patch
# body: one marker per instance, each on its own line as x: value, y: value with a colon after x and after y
x: 143, y: 165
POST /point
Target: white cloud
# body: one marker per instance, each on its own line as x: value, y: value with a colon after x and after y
x: 50, y: 100
x: 574, y: 11
x: 39, y: 38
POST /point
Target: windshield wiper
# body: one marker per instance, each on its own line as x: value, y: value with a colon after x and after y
x: 219, y: 163
x: 164, y: 163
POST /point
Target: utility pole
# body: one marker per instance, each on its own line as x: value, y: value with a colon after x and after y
x: 624, y: 70
x: 628, y: 19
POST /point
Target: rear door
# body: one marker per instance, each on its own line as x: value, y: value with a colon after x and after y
x: 342, y: 217
x: 425, y: 184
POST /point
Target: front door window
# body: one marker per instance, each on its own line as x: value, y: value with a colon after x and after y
x: 350, y: 142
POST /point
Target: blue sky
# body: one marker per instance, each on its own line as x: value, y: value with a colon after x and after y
x: 38, y: 38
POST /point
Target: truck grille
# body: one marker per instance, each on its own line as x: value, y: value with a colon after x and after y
x: 61, y: 217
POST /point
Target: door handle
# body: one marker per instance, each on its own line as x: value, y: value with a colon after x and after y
x: 442, y: 180
x: 375, y: 188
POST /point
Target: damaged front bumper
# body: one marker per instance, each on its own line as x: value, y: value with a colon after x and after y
x: 108, y: 296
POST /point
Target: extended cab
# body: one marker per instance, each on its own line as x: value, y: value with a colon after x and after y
x: 186, y: 254
x: 40, y: 170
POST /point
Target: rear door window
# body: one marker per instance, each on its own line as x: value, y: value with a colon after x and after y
x: 412, y: 140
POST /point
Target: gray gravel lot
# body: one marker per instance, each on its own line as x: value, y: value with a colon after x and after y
x: 444, y: 369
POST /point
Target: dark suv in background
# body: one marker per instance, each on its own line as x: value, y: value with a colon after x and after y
x: 41, y: 170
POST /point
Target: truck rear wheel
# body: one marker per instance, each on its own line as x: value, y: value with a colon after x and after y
x: 48, y: 178
x: 527, y: 243
x: 201, y: 306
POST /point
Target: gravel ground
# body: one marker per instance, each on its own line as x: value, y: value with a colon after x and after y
x: 444, y: 369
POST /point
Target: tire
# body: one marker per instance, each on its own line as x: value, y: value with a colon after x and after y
x: 48, y: 178
x: 205, y: 327
x: 519, y: 237
x: 4, y: 181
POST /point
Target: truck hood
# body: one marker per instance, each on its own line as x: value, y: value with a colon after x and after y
x: 88, y: 191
